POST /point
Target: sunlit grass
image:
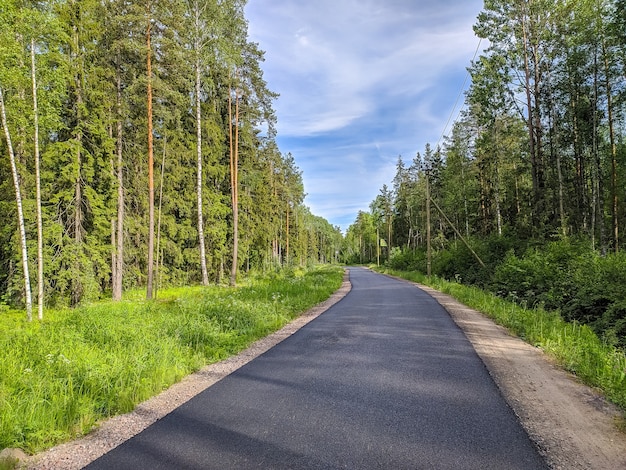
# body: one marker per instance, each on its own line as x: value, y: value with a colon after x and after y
x: 59, y: 377
x: 574, y: 346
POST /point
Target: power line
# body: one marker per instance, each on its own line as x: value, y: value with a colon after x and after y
x: 467, y: 74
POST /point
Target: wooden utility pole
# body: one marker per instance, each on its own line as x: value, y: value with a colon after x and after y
x: 456, y: 230
x: 287, y: 236
x: 377, y: 246
x: 429, y: 256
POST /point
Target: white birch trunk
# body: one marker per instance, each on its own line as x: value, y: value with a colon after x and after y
x: 40, y: 294
x: 205, y: 274
x: 20, y: 212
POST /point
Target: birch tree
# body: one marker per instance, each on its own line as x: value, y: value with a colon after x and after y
x: 204, y: 18
x: 233, y: 139
x: 40, y: 289
x: 20, y: 211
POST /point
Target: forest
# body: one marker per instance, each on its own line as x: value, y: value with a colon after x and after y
x: 526, y: 195
x: 138, y: 151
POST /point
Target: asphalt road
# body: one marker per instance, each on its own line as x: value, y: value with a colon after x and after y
x: 382, y: 380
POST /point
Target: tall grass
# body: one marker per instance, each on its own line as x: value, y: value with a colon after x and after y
x: 59, y: 377
x: 574, y: 346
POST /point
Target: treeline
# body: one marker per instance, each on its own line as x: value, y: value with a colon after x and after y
x: 536, y: 156
x: 139, y: 150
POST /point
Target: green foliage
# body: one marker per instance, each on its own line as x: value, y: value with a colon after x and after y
x: 542, y: 276
x: 91, y: 61
x: 60, y: 377
x: 408, y: 260
x: 598, y: 295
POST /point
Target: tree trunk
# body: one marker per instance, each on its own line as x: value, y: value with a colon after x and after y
x: 533, y: 138
x: 598, y: 187
x: 77, y: 286
x: 496, y: 189
x: 614, y: 199
x: 40, y: 293
x: 556, y: 151
x: 150, y: 280
x: 205, y: 274
x: 234, y: 169
x: 580, y: 181
x: 118, y: 269
x: 20, y: 212
x: 159, y: 254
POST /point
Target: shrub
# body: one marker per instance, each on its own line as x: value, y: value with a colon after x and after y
x: 540, y: 277
x: 408, y: 260
x: 598, y: 296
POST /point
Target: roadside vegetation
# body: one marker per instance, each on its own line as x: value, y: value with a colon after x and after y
x: 61, y: 376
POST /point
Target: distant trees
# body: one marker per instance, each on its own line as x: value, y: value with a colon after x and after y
x: 117, y: 120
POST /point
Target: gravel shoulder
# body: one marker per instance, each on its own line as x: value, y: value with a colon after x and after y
x: 571, y: 424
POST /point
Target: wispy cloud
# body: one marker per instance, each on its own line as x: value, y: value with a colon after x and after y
x: 360, y: 82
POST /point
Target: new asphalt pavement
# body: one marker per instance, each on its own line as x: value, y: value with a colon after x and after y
x: 384, y: 379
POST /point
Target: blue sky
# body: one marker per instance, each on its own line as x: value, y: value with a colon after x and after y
x: 361, y: 82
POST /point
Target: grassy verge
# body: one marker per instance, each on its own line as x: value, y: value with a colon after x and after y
x: 59, y: 377
x: 575, y: 347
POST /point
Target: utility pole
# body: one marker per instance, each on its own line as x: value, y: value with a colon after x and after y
x: 377, y: 245
x: 428, y: 245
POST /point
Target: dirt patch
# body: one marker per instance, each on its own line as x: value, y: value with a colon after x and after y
x: 572, y: 425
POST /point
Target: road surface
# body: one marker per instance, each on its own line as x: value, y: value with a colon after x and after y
x: 382, y: 380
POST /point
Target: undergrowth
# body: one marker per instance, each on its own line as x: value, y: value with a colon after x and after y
x: 61, y: 376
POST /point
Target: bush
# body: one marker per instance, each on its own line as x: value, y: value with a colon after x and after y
x: 598, y: 296
x: 458, y: 262
x: 407, y: 260
x: 540, y: 277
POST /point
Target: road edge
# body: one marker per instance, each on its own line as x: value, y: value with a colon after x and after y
x: 112, y: 432
x: 572, y: 425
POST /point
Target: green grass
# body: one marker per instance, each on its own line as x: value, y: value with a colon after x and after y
x: 574, y: 346
x: 60, y: 377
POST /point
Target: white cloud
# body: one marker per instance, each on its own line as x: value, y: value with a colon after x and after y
x: 355, y: 73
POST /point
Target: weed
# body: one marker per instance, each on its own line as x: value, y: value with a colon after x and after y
x: 60, y: 377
